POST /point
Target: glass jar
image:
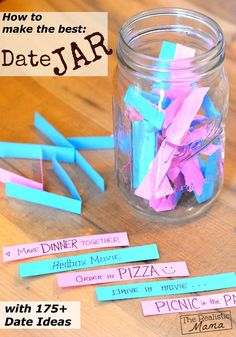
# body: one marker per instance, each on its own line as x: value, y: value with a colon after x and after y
x: 169, y: 107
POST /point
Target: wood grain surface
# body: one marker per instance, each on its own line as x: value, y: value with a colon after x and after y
x: 81, y: 106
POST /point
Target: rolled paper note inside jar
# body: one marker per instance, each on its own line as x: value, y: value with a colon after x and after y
x: 175, y: 120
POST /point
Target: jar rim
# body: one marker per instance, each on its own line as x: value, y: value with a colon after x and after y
x: 214, y: 52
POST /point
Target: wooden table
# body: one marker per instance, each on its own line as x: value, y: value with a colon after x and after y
x: 82, y: 106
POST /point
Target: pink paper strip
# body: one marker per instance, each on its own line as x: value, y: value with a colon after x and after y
x: 185, y: 115
x: 163, y: 204
x: 164, y: 189
x: 173, y: 173
x: 186, y: 304
x: 196, y: 135
x: 28, y: 250
x: 172, y: 109
x: 194, y: 178
x: 124, y: 273
x: 183, y: 52
x: 168, y: 203
x: 133, y: 115
x: 174, y: 134
x: 200, y: 117
x: 176, y: 92
x: 157, y: 172
x: 10, y: 177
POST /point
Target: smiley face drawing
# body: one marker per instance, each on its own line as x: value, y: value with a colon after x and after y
x: 169, y: 270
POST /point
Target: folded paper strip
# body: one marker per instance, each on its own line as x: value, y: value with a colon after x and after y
x: 172, y: 130
x: 65, y: 150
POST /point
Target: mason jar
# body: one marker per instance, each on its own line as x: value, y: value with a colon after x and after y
x: 169, y: 108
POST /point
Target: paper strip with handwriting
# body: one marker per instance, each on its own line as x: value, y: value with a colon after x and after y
x: 172, y: 287
x: 186, y: 304
x: 116, y: 256
x: 28, y: 250
x: 124, y: 273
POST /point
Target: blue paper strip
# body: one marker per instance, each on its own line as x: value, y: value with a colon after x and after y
x: 133, y: 98
x: 209, y: 108
x: 64, y: 177
x: 210, y: 171
x: 154, y: 98
x: 144, y: 146
x: 197, y: 122
x: 92, y: 143
x: 104, y: 258
x: 34, y: 151
x: 124, y: 142
x: 48, y: 130
x: 89, y: 170
x: 163, y: 288
x: 167, y: 52
x: 43, y: 198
